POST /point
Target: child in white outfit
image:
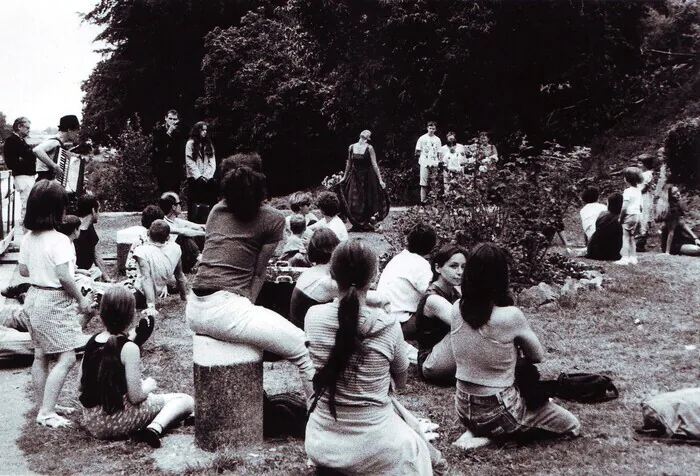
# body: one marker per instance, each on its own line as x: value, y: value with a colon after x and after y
x: 631, y: 215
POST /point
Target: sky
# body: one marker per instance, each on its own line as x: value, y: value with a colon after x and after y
x: 45, y: 55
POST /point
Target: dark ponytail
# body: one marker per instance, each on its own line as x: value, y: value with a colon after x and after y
x: 353, y: 265
x: 110, y: 377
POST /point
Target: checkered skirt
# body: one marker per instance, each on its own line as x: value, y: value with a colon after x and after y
x: 54, y: 325
x: 122, y: 423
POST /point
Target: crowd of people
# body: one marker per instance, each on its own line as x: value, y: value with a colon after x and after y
x: 349, y: 323
x: 620, y: 229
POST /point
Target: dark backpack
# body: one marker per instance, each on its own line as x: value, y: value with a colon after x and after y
x: 284, y: 414
x: 585, y: 388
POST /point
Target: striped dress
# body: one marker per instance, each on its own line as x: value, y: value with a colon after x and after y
x: 368, y: 436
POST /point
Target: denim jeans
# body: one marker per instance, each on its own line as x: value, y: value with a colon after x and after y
x: 505, y: 414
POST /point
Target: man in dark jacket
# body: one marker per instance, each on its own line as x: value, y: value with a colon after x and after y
x: 20, y: 160
x: 169, y: 153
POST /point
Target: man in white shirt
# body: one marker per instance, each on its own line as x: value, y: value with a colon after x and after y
x: 427, y: 149
x: 406, y: 277
x: 329, y: 205
x: 590, y: 212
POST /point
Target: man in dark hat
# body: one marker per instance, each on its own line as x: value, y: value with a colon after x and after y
x: 48, y: 151
x: 20, y: 159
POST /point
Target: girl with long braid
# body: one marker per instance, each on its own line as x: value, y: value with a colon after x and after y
x: 355, y: 425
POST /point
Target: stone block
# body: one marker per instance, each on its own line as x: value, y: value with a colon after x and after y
x: 228, y: 385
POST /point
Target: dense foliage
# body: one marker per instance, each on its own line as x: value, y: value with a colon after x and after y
x: 298, y: 79
x: 124, y: 181
x: 519, y: 203
x: 152, y: 61
x: 683, y: 151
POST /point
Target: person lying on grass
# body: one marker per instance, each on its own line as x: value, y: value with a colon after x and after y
x: 356, y: 426
x: 436, y: 363
x: 488, y: 333
x: 117, y: 403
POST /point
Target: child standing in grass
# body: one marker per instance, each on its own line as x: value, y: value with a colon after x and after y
x: 117, y: 402
x: 47, y: 258
x: 631, y: 215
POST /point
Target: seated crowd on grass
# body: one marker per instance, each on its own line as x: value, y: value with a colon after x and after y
x: 348, y: 340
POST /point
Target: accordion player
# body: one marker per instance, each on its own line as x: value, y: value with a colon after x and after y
x: 73, y: 171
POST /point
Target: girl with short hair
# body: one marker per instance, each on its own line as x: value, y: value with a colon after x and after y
x: 47, y: 258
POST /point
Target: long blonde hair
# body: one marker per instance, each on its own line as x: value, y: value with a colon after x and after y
x: 663, y: 203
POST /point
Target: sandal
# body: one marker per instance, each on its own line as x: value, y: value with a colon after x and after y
x: 53, y: 420
x: 61, y: 410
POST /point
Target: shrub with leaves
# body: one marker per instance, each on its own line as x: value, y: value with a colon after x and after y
x: 519, y: 203
x: 125, y: 181
x: 682, y: 151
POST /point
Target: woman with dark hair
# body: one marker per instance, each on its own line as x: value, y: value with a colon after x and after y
x: 606, y: 241
x: 241, y: 237
x: 354, y: 426
x: 117, y: 403
x: 363, y: 195
x: 488, y: 334
x: 434, y: 314
x: 47, y: 258
x: 201, y: 167
x: 677, y: 238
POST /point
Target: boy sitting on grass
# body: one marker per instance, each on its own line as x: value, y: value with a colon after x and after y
x: 590, y: 212
x: 294, y: 249
x: 329, y: 205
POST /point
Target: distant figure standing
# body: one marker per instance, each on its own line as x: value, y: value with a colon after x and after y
x: 20, y: 160
x: 201, y: 167
x: 363, y: 194
x: 427, y: 149
x: 168, y: 158
x: 47, y: 152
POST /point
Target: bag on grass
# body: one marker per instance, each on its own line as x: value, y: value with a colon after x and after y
x: 284, y: 414
x: 586, y: 388
x: 673, y: 415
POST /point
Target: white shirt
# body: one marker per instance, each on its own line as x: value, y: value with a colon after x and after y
x: 335, y: 224
x: 428, y: 147
x: 41, y: 252
x: 404, y: 282
x: 589, y: 214
x: 201, y: 166
x: 454, y: 159
x: 633, y: 197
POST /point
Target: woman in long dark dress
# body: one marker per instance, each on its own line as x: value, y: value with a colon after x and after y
x: 362, y: 191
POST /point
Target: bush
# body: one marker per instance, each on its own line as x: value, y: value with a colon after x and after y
x: 518, y: 203
x: 124, y: 181
x: 683, y: 151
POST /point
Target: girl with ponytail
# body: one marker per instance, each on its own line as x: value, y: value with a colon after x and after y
x: 355, y: 425
x: 116, y: 402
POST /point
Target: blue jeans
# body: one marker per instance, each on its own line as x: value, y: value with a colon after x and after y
x: 505, y: 414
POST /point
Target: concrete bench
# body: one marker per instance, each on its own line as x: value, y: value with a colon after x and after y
x: 228, y: 386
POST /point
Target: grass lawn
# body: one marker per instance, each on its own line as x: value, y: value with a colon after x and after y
x: 600, y: 335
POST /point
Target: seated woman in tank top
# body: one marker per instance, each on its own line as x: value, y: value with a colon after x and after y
x: 488, y: 333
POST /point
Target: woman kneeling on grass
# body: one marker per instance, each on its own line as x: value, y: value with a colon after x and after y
x: 677, y: 238
x: 488, y: 332
x: 117, y: 403
x: 354, y: 426
x: 436, y: 363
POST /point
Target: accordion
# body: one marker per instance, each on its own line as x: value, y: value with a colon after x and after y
x: 73, y: 169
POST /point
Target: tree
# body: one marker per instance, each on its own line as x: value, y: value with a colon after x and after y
x: 5, y: 130
x: 152, y: 62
